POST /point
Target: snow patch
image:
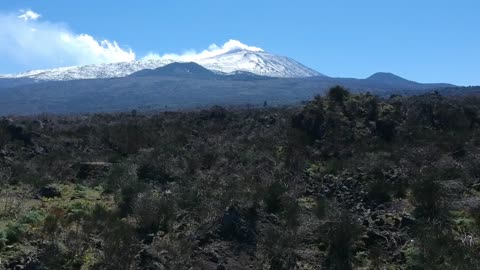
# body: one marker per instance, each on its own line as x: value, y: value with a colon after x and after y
x: 233, y: 56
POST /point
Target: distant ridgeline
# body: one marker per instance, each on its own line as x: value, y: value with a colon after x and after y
x: 188, y: 86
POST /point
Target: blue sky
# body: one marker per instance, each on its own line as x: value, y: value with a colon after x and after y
x: 426, y: 41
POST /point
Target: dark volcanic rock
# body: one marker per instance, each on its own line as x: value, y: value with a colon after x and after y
x: 49, y: 191
x: 221, y: 267
x: 17, y: 132
x: 90, y: 170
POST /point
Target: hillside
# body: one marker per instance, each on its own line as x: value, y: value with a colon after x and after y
x: 172, y: 87
x: 177, y: 70
x: 345, y: 181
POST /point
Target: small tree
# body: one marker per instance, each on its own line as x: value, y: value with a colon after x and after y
x: 342, y: 235
x: 291, y: 214
x: 338, y: 94
x: 273, y: 197
x: 321, y: 206
x: 428, y: 197
x: 280, y: 247
x: 120, y: 246
x: 152, y: 212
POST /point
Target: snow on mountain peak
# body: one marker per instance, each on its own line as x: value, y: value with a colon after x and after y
x: 258, y: 62
x: 233, y: 56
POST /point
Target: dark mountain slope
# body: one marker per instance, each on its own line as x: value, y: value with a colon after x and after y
x: 12, y: 82
x: 189, y: 70
x: 185, y: 85
x: 392, y: 80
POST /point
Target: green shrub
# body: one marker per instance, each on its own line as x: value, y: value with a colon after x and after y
x: 120, y: 246
x: 3, y: 239
x: 121, y: 175
x: 435, y: 247
x: 342, y: 235
x: 126, y: 197
x: 333, y: 166
x: 123, y: 182
x: 126, y: 137
x: 291, y: 215
x: 14, y: 232
x: 78, y: 210
x: 379, y: 191
x: 180, y: 247
x: 428, y: 198
x: 5, y: 135
x: 321, y: 207
x: 279, y: 247
x: 98, y: 219
x: 475, y: 214
x: 32, y: 217
x: 189, y: 197
x: 413, y: 258
x: 386, y: 129
x: 153, y: 212
x: 150, y: 172
x: 50, y: 226
x: 274, y: 196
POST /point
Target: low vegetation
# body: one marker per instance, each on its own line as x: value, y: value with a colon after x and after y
x: 346, y: 181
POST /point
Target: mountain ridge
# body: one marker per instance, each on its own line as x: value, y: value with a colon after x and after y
x: 384, y: 75
x: 237, y: 59
x: 164, y: 91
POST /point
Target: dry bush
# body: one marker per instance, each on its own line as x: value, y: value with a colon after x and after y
x: 12, y: 201
x: 153, y: 212
x: 342, y: 234
x: 120, y: 246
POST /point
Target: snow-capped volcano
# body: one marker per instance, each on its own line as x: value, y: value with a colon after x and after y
x: 258, y: 62
x: 232, y: 57
x: 99, y: 71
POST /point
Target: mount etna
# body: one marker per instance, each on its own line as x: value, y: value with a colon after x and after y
x: 236, y: 77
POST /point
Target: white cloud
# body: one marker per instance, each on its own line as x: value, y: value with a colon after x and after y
x: 29, y: 15
x: 30, y: 43
x: 27, y: 42
x: 213, y: 50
